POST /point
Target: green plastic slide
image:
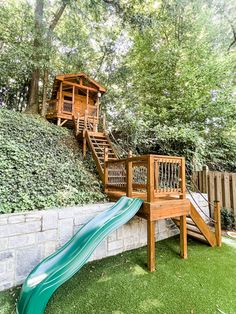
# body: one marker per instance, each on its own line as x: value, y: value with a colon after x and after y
x: 56, y: 269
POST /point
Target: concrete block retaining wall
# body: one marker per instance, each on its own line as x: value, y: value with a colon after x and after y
x: 27, y: 238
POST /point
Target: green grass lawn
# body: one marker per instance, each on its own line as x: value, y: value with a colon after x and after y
x: 204, y: 283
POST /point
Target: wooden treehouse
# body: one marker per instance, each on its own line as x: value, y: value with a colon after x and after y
x: 74, y: 95
x: 158, y: 180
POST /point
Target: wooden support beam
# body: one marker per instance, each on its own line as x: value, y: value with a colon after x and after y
x: 73, y: 101
x: 86, y: 119
x: 150, y: 179
x: 129, y: 176
x: 77, y: 125
x: 60, y: 98
x: 58, y: 121
x: 151, y: 245
x: 183, y: 236
x: 217, y: 218
x: 87, y: 99
x: 80, y: 86
x: 183, y: 179
x: 62, y: 123
x: 84, y: 147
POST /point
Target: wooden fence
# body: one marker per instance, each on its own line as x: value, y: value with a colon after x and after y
x: 220, y: 186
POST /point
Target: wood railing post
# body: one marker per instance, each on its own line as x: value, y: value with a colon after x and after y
x: 105, y: 178
x: 217, y: 218
x: 77, y: 125
x: 150, y: 179
x: 129, y: 176
x: 86, y: 119
x: 183, y: 178
x: 84, y: 146
x: 60, y: 98
x: 73, y: 100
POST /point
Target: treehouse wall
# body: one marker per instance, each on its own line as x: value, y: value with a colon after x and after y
x: 80, y: 104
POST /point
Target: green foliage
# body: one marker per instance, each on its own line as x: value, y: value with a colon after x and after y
x: 176, y: 86
x: 41, y: 166
x: 227, y: 218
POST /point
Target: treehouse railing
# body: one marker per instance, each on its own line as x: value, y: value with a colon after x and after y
x: 148, y: 176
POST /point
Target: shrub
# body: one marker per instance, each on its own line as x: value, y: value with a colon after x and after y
x: 227, y: 218
x: 41, y: 166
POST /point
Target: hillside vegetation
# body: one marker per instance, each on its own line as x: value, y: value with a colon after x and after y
x: 41, y: 166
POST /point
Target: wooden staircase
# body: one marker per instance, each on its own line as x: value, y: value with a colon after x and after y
x: 99, y: 142
x: 197, y: 228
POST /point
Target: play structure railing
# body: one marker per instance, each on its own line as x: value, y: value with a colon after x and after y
x: 148, y: 176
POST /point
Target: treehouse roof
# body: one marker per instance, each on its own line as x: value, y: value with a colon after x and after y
x: 76, y: 80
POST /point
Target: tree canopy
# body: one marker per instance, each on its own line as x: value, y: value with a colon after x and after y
x: 169, y: 67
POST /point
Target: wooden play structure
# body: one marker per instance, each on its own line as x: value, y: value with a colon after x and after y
x: 158, y: 180
x: 74, y: 95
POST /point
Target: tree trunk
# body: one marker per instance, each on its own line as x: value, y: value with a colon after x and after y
x: 32, y: 106
x: 33, y: 100
x: 44, y: 98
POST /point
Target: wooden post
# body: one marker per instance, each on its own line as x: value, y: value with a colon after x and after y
x: 97, y: 105
x: 86, y: 119
x: 105, y: 179
x: 129, y: 176
x: 58, y: 121
x: 84, y: 147
x: 217, y: 218
x: 60, y: 98
x: 204, y: 179
x: 73, y: 101
x: 183, y: 236
x: 150, y: 179
x: 151, y: 245
x: 87, y: 99
x: 183, y: 179
x: 233, y: 191
x: 77, y: 125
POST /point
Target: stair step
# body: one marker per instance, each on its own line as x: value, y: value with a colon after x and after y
x: 196, y: 236
x: 188, y: 219
x: 109, y: 154
x: 190, y: 227
x: 100, y: 143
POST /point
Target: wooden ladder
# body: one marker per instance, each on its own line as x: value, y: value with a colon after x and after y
x: 197, y: 227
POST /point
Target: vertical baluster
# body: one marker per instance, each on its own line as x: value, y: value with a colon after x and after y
x: 171, y: 175
x: 105, y: 169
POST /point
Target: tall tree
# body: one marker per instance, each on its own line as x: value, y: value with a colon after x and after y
x: 32, y: 106
x: 42, y: 35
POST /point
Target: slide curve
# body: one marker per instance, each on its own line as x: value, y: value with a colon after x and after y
x: 56, y: 269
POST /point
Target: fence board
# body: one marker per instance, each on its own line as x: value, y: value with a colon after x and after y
x: 233, y: 195
x: 220, y: 187
x: 211, y: 191
x: 226, y: 190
